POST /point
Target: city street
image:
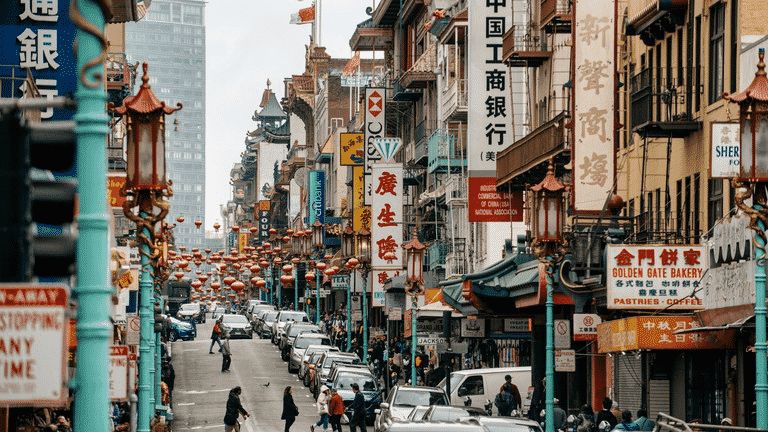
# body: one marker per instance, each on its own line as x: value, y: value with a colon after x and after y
x: 201, y: 389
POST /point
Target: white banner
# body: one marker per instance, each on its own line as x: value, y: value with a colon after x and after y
x: 118, y: 372
x: 387, y: 216
x: 375, y: 127
x: 594, y: 100
x: 379, y: 278
x: 652, y: 277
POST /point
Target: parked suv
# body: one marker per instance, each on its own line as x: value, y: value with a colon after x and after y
x: 300, y: 344
x: 368, y: 387
x: 187, y: 311
x: 283, y: 317
x: 292, y: 330
x: 324, y: 367
x: 263, y: 323
x: 400, y: 402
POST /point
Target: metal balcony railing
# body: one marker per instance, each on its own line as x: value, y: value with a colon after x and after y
x: 659, y: 102
x: 447, y: 150
x: 455, y: 99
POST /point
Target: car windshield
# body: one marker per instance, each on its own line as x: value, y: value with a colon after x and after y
x: 270, y: 316
x: 408, y: 397
x: 449, y: 413
x: 189, y: 307
x: 294, y: 316
x: 344, y: 382
x: 508, y: 427
x: 303, y: 341
x: 328, y: 362
x: 234, y: 319
x: 294, y: 330
x: 180, y: 323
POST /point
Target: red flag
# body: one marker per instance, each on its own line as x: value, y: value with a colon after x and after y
x: 303, y: 16
x: 351, y: 66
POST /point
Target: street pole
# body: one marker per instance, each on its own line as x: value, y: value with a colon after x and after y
x: 146, y: 395
x: 93, y: 290
x: 158, y: 355
x: 296, y: 286
x: 318, y: 282
x: 414, y: 340
x: 549, y: 385
x: 761, y: 362
x: 349, y: 309
x: 365, y: 313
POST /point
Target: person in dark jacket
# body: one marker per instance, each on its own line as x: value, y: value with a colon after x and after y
x: 606, y: 414
x: 358, y: 410
x: 234, y: 409
x: 168, y: 376
x: 226, y: 353
x: 290, y: 410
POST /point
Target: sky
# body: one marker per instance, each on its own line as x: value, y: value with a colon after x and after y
x: 247, y: 43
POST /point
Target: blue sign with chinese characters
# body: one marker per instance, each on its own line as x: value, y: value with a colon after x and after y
x: 38, y: 36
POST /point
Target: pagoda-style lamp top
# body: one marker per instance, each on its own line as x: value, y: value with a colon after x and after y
x: 364, y: 245
x: 145, y: 132
x: 753, y: 122
x: 348, y: 241
x: 414, y: 258
x: 317, y: 233
x: 547, y: 207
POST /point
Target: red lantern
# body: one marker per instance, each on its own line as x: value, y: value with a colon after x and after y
x: 228, y: 280
x: 321, y: 266
x: 196, y: 284
x: 216, y: 226
x: 310, y: 276
x: 261, y: 283
x: 198, y: 223
x: 216, y: 286
x: 288, y: 269
x: 237, y: 286
x: 180, y: 219
x: 179, y: 275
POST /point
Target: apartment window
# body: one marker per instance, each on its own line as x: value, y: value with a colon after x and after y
x: 714, y: 202
x: 687, y: 208
x: 649, y: 212
x: 658, y: 211
x: 716, y: 51
x: 697, y: 50
x: 734, y: 54
x: 679, y: 205
x: 696, y: 207
x: 680, y: 76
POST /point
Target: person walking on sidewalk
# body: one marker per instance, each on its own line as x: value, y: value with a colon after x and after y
x: 322, y: 408
x: 290, y: 410
x: 234, y: 409
x: 335, y: 410
x: 358, y: 410
x: 226, y: 354
x: 216, y: 335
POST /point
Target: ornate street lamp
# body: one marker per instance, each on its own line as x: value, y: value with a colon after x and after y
x: 146, y: 189
x: 317, y: 242
x: 752, y: 183
x: 414, y: 287
x: 364, y: 255
x: 549, y: 248
x: 348, y: 241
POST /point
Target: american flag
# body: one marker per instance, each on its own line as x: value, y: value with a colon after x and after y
x: 351, y: 66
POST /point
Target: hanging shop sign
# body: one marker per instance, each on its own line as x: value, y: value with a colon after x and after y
x: 264, y: 215
x: 585, y: 326
x: 118, y: 372
x: 652, y: 277
x: 387, y: 213
x: 340, y: 281
x: 565, y: 360
x: 659, y: 332
x: 730, y: 277
x: 351, y: 149
x: 114, y: 184
x: 490, y: 110
x: 473, y: 327
x: 375, y: 127
x: 594, y: 91
x: 379, y: 278
x: 33, y: 344
x: 316, y: 197
x: 725, y: 158
x: 361, y: 213
x: 518, y: 325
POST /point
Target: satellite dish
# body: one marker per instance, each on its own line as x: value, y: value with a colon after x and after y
x: 300, y: 176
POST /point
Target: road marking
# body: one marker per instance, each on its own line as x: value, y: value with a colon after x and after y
x: 185, y: 404
x: 202, y: 391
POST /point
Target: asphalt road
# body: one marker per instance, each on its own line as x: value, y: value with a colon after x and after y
x: 201, y: 389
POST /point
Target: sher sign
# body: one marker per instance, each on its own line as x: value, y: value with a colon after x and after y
x: 33, y: 344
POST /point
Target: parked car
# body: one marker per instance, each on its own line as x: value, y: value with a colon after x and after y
x: 291, y: 330
x: 417, y: 413
x: 324, y: 367
x: 187, y: 311
x: 237, y: 326
x: 484, y: 383
x: 505, y: 424
x: 310, y: 365
x: 300, y: 344
x: 264, y: 322
x: 252, y: 310
x: 183, y: 330
x: 368, y: 387
x: 400, y: 402
x: 451, y: 413
x: 306, y: 359
x: 218, y: 310
x: 420, y: 426
x: 283, y: 317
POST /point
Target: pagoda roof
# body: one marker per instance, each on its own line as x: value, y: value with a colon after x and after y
x: 145, y: 101
x: 271, y: 108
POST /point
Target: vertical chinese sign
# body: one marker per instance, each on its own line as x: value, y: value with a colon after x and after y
x: 361, y: 213
x: 264, y: 220
x: 594, y: 90
x: 38, y: 35
x: 375, y: 127
x: 316, y: 196
x: 387, y: 222
x: 490, y: 114
x: 655, y: 277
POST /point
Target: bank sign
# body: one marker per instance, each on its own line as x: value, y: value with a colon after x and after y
x: 38, y: 36
x: 316, y: 196
x: 652, y: 277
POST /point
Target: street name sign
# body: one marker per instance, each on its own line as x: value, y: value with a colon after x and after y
x: 33, y: 344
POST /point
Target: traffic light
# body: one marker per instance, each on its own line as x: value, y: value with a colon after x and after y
x: 36, y: 219
x: 159, y: 318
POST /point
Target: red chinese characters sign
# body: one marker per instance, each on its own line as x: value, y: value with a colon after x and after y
x: 387, y: 216
x: 653, y: 277
x: 33, y: 344
x: 658, y: 332
x: 488, y: 205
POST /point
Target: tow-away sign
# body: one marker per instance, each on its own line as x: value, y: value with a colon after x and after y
x: 33, y: 344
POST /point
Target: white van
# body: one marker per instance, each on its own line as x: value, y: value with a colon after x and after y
x: 482, y: 385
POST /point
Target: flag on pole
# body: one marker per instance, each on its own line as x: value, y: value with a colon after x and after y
x: 303, y: 16
x: 351, y: 66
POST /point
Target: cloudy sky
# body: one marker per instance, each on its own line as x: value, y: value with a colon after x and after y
x: 247, y: 43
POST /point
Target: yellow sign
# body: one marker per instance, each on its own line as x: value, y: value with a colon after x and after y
x: 242, y: 242
x: 361, y: 213
x: 351, y: 149
x: 658, y: 332
x: 114, y: 184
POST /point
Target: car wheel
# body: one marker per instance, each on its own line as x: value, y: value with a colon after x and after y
x: 173, y: 337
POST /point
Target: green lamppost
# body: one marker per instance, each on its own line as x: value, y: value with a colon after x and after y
x: 414, y: 287
x: 347, y: 250
x: 752, y: 182
x: 549, y: 247
x: 93, y: 290
x: 147, y: 191
x: 317, y: 242
x: 364, y: 253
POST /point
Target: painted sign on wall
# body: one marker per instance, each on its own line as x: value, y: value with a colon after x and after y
x: 387, y: 213
x: 375, y: 127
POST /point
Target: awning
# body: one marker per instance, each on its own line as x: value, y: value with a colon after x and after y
x: 435, y: 310
x: 659, y: 333
x: 726, y: 318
